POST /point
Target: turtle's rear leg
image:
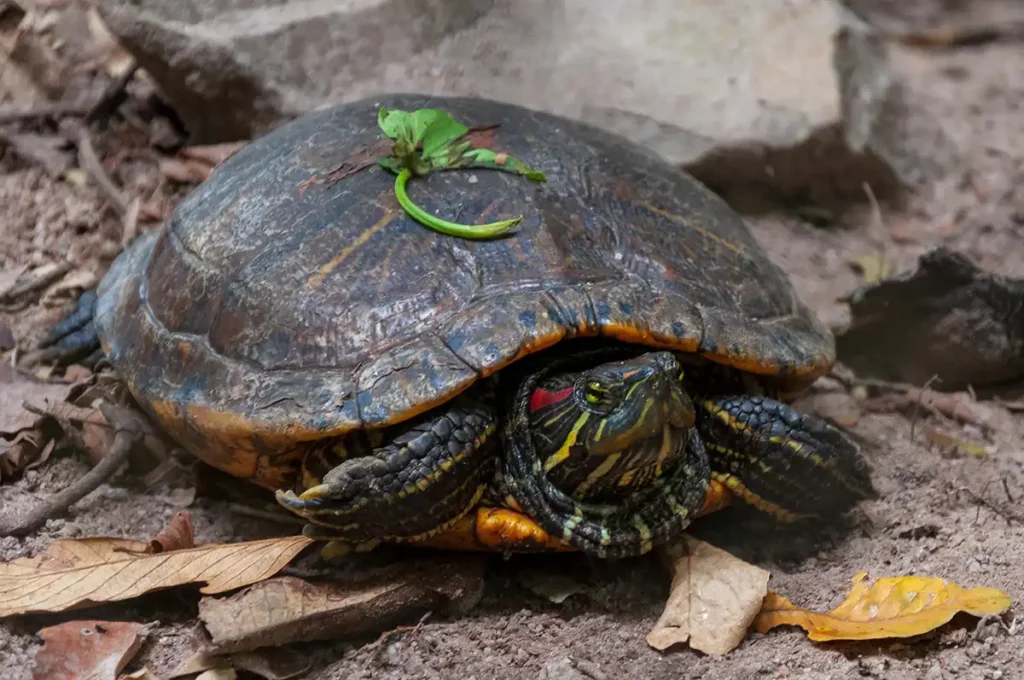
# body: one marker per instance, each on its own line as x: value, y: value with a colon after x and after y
x: 421, y: 483
x: 74, y: 339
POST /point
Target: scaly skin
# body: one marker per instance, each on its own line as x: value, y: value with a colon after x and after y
x: 612, y: 460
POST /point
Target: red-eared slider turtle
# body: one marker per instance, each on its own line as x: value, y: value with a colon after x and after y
x: 591, y: 375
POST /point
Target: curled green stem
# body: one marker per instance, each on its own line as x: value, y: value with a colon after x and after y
x: 470, y: 231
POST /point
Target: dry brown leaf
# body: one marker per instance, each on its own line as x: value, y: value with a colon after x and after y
x: 19, y: 293
x: 142, y: 674
x: 79, y: 572
x: 45, y: 151
x: 212, y: 154
x: 29, y: 449
x: 270, y: 663
x: 552, y: 586
x: 959, y: 406
x: 118, y: 60
x: 179, y: 534
x: 13, y: 415
x: 218, y: 674
x: 286, y: 609
x: 76, y: 373
x: 893, y: 607
x: 959, y: 444
x: 714, y: 598
x: 184, y: 171
x: 69, y: 287
x: 97, y: 650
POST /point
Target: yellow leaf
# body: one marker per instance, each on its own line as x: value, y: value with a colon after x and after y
x: 948, y: 441
x: 894, y: 607
x: 873, y: 267
x: 73, y: 573
x: 714, y: 598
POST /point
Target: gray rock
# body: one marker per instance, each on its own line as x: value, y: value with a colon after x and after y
x: 561, y: 669
x: 796, y: 97
x: 234, y: 69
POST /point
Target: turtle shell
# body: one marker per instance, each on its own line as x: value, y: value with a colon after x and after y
x: 285, y: 301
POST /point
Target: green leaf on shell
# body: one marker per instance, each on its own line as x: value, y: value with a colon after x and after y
x: 438, y: 138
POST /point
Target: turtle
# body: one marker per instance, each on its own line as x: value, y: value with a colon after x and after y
x: 620, y: 363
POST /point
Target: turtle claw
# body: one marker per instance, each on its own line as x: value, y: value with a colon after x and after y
x: 315, y: 493
x: 298, y: 504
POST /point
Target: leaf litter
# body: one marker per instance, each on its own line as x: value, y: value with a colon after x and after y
x: 80, y: 572
x: 93, y: 650
x: 892, y: 607
x: 714, y: 598
x: 288, y: 609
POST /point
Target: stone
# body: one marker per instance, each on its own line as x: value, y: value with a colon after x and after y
x: 796, y: 98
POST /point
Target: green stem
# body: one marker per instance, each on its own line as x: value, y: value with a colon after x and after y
x: 470, y: 231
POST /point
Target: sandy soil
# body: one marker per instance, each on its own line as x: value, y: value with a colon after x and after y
x: 938, y: 513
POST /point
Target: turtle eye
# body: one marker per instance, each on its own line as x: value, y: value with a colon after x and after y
x: 597, y: 396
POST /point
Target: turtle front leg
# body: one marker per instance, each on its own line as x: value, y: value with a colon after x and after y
x: 416, y: 486
x: 786, y: 463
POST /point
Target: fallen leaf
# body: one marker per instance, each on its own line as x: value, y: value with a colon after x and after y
x: 118, y: 60
x: 29, y: 449
x: 77, y: 177
x: 76, y: 373
x: 948, y: 441
x: 713, y: 600
x: 177, y: 535
x: 184, y: 171
x: 212, y: 154
x: 69, y: 287
x: 552, y: 586
x: 13, y: 415
x: 873, y: 268
x: 143, y: 674
x: 80, y: 572
x: 97, y: 650
x: 218, y: 674
x: 287, y: 609
x: 45, y: 151
x: 893, y: 607
x: 18, y: 295
x: 270, y: 663
x: 960, y: 406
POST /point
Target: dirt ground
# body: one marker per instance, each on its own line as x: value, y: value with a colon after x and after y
x: 938, y: 513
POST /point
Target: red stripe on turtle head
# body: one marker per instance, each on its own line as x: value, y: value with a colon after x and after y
x: 542, y: 398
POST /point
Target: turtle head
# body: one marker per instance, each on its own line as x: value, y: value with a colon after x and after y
x: 604, y: 431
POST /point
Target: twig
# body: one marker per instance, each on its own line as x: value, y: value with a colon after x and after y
x: 1008, y: 515
x: 91, y: 162
x: 111, y: 97
x: 107, y: 103
x: 48, y: 110
x: 60, y: 502
x: 267, y: 515
x: 388, y: 634
x: 919, y: 402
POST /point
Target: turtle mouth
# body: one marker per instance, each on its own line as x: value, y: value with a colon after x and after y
x: 620, y: 474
